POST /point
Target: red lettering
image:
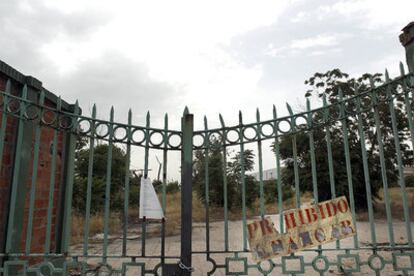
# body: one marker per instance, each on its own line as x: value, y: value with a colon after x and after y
x: 311, y: 212
x: 290, y: 223
x: 342, y: 205
x: 302, y: 221
x: 266, y: 228
x: 321, y: 211
x: 331, y: 208
x: 252, y: 227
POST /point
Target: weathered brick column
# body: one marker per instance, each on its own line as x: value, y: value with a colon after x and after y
x: 24, y: 174
x: 407, y: 40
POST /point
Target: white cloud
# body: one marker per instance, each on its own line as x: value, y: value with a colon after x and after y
x: 321, y: 40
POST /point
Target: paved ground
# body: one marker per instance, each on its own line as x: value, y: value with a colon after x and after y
x: 153, y: 247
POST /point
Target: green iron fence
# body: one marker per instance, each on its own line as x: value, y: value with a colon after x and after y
x: 226, y: 250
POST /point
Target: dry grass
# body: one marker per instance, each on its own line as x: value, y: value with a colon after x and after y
x: 396, y: 202
x: 96, y: 225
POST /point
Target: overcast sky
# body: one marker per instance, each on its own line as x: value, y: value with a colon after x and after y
x: 213, y: 56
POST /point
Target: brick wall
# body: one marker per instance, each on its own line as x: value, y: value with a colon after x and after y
x: 25, y: 178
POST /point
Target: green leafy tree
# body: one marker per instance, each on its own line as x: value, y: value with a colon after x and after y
x: 99, y: 179
x: 215, y: 174
x: 329, y: 84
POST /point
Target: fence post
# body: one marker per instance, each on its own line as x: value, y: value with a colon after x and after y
x: 407, y: 40
x: 187, y: 127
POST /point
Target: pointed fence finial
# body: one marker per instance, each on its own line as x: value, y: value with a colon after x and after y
x: 240, y: 117
x: 387, y: 76
x: 8, y: 87
x: 402, y: 70
x: 205, y: 122
x: 94, y: 110
x: 289, y: 109
x: 274, y: 112
x: 186, y: 111
x: 112, y: 114
x: 129, y: 116
x: 221, y: 120
x: 257, y: 114
x: 166, y: 124
x: 59, y: 103
x: 324, y: 101
x: 308, y: 106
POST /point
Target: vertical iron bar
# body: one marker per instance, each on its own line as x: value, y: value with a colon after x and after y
x: 4, y: 120
x: 243, y: 180
x: 295, y: 156
x: 224, y: 160
x: 89, y: 182
x: 70, y: 172
x: 52, y: 179
x: 348, y: 163
x: 259, y: 148
x: 126, y: 184
x: 187, y: 127
x: 329, y: 150
x: 16, y: 169
x: 146, y: 155
x: 362, y: 138
x: 278, y: 171
x: 34, y: 174
x: 383, y: 166
x: 108, y: 185
x: 399, y: 161
x: 164, y: 188
x: 206, y: 183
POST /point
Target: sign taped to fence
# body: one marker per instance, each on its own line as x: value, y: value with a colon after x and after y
x: 306, y: 227
x: 149, y: 205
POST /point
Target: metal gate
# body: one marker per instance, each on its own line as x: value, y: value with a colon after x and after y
x: 381, y: 246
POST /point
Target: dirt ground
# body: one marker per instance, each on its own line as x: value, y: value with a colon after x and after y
x: 202, y: 267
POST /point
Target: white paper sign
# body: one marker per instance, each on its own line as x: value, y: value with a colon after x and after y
x: 149, y: 205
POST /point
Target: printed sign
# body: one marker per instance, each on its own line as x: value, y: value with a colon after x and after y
x: 305, y: 227
x: 149, y: 205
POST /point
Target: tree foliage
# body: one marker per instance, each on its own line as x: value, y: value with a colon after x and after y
x: 99, y: 179
x: 329, y: 85
x: 233, y: 176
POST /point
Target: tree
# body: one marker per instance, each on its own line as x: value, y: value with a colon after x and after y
x: 99, y: 174
x: 215, y: 176
x: 329, y: 85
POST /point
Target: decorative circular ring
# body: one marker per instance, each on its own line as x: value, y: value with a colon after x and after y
x: 373, y: 262
x: 49, y: 117
x: 264, y: 270
x: 230, y: 138
x: 65, y: 121
x: 267, y: 130
x: 289, y: 125
x: 138, y: 135
x: 174, y: 144
x: 322, y: 261
x: 198, y: 140
x: 300, y: 125
x: 160, y: 137
x: 120, y: 133
x: 102, y: 129
x: 82, y: 123
x: 252, y: 135
x: 31, y: 112
x: 14, y: 105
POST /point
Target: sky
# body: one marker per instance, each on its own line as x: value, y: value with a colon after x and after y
x: 216, y: 57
